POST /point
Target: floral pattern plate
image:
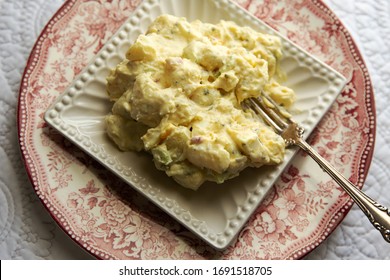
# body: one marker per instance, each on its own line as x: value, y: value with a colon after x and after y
x: 112, y: 221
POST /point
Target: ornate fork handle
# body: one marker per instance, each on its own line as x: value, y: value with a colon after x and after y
x: 378, y: 214
x: 292, y: 133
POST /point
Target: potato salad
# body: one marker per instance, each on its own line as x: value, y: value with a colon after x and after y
x: 178, y: 96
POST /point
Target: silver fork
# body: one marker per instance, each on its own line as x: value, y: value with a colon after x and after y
x: 292, y: 133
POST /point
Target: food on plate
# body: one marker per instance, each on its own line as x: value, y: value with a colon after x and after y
x: 178, y: 96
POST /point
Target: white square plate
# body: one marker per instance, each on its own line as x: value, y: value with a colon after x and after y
x: 215, y: 213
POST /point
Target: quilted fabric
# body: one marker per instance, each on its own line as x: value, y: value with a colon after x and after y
x: 28, y: 232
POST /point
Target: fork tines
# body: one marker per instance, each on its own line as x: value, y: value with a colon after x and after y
x: 270, y: 112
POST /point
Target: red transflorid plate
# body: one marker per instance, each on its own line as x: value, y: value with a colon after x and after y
x: 113, y: 221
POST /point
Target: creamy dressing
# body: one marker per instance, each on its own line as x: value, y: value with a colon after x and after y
x: 178, y: 93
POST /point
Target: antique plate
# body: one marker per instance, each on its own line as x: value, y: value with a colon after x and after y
x: 110, y: 219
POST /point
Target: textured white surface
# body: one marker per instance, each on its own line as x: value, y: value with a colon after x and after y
x: 28, y: 232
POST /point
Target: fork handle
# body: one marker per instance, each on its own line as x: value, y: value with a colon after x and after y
x: 378, y: 214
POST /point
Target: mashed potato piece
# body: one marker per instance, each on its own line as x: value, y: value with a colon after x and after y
x: 178, y: 92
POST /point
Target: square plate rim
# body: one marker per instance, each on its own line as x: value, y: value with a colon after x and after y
x: 53, y: 118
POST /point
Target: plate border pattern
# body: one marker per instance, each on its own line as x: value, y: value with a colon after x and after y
x: 33, y: 64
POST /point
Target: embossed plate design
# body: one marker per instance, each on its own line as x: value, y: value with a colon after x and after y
x: 215, y: 213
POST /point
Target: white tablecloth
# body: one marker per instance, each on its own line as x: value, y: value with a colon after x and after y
x: 28, y: 232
